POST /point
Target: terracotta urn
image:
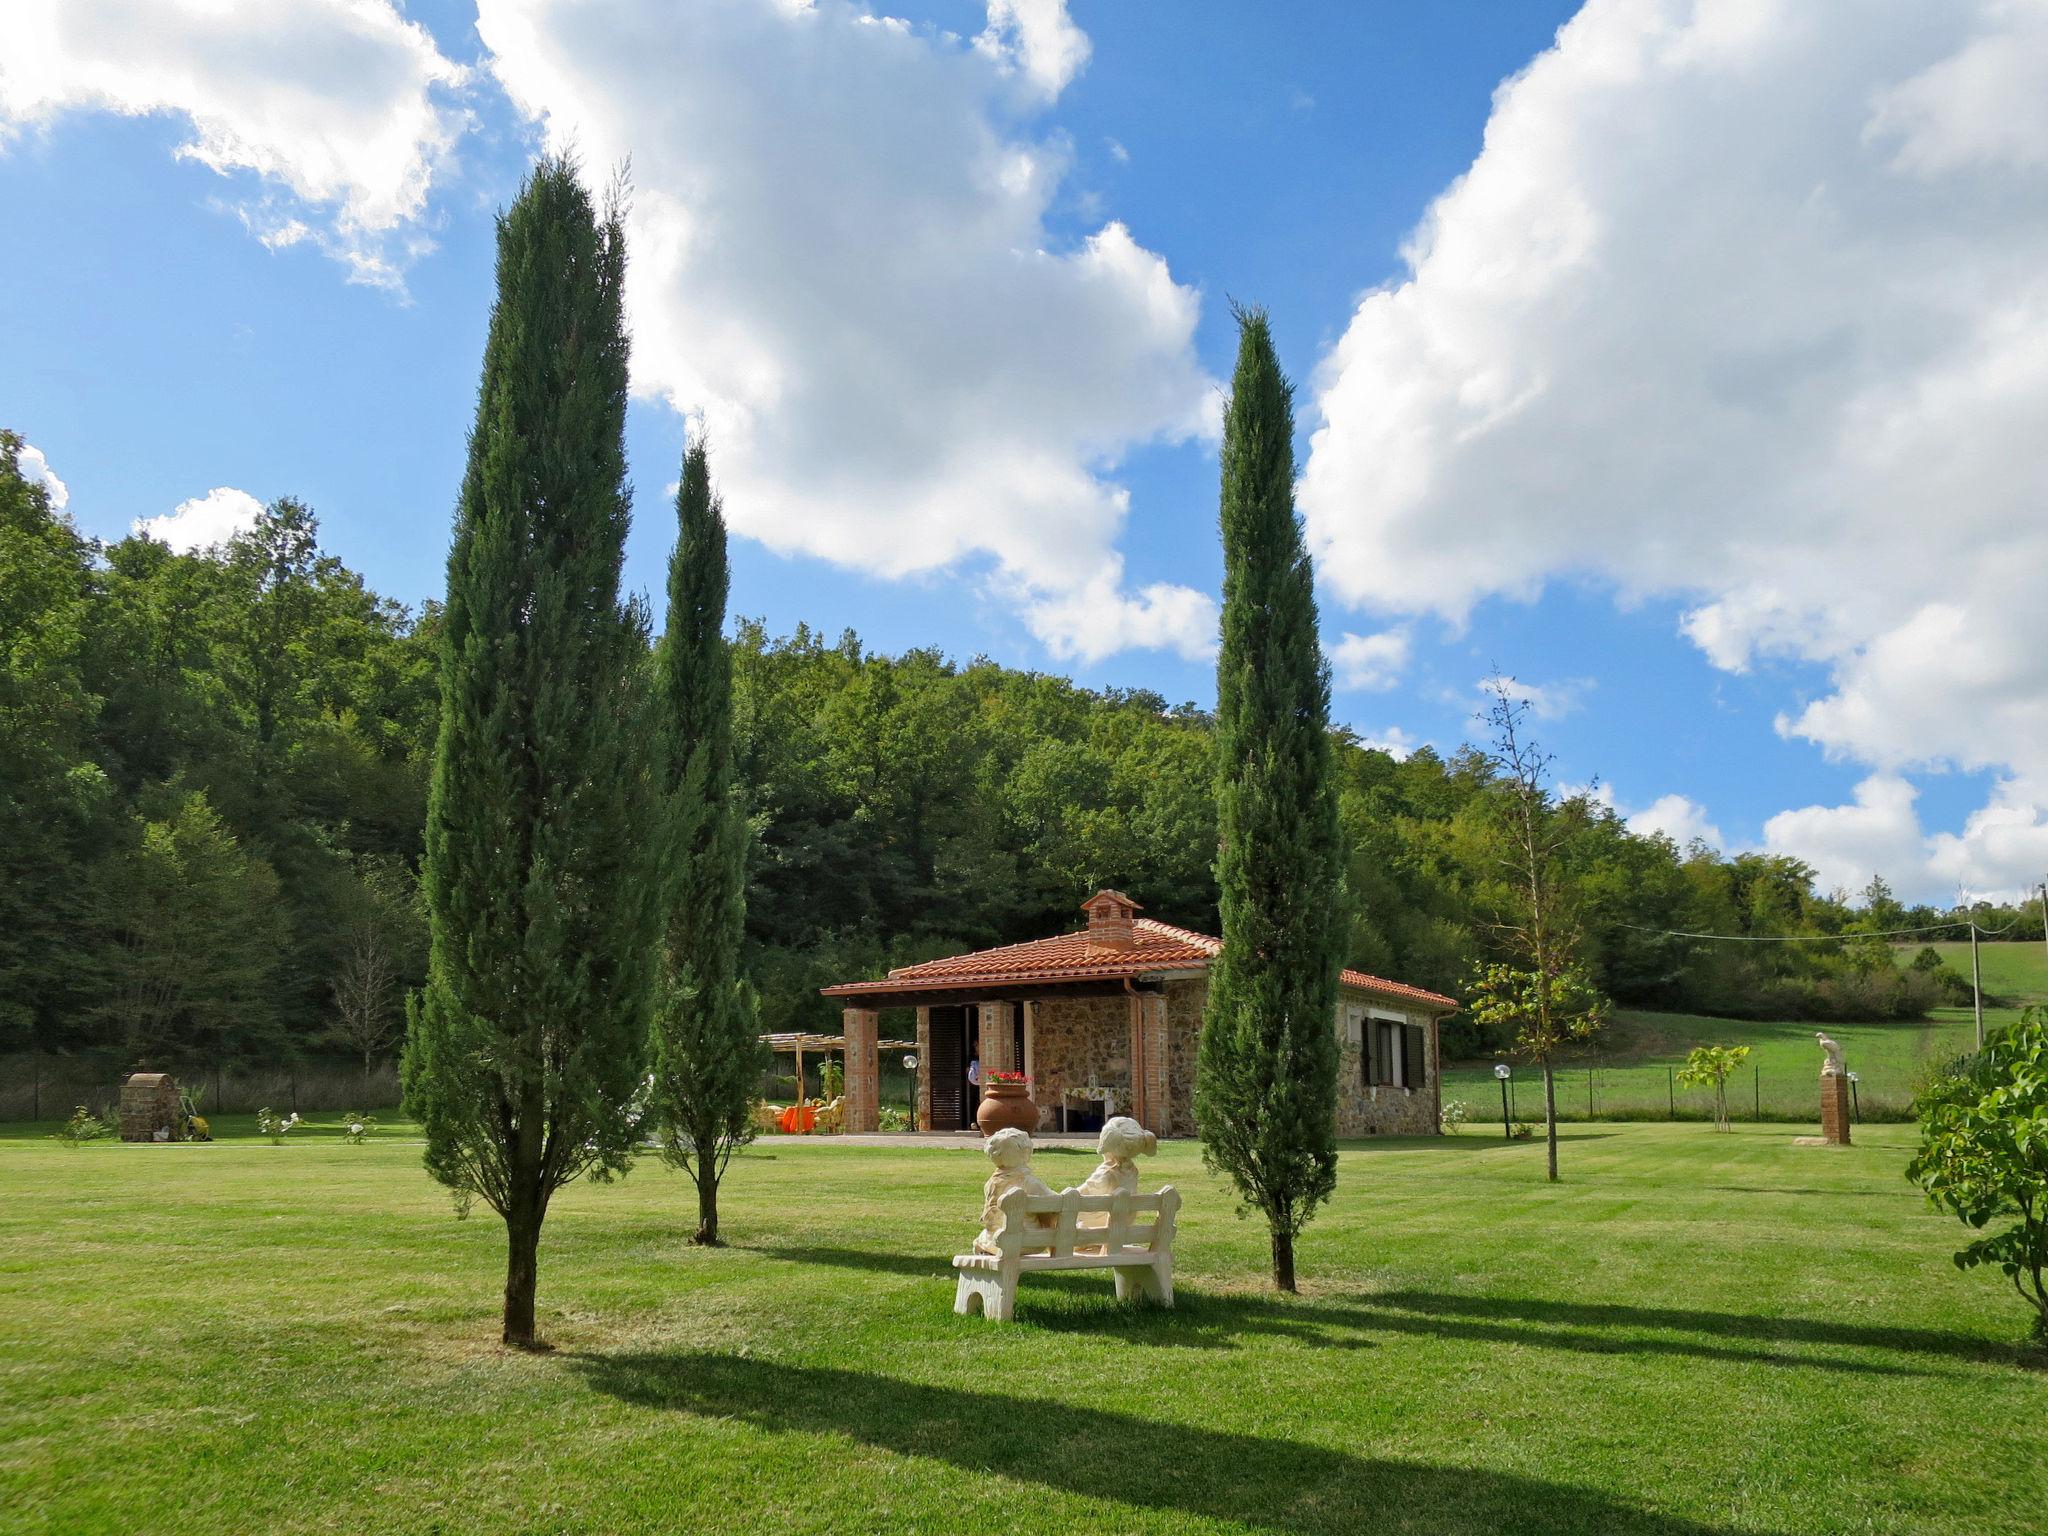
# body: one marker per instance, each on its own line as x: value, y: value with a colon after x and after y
x: 1006, y: 1106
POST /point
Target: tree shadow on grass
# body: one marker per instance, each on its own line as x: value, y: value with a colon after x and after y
x: 923, y: 1265
x: 1200, y: 1320
x: 1267, y: 1484
x: 1435, y: 1309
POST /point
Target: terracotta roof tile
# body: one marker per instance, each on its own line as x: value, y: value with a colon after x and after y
x: 1158, y: 947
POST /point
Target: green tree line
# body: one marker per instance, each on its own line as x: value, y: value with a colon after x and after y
x: 213, y: 785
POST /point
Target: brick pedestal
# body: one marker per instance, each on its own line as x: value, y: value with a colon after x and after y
x: 1834, y: 1111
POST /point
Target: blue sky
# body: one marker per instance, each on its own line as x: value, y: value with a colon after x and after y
x: 1604, y: 403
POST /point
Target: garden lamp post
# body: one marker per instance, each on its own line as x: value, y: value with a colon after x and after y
x: 910, y: 1066
x: 1855, y: 1103
x: 1503, y: 1071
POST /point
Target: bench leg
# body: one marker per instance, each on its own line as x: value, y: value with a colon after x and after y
x: 1151, y: 1282
x: 984, y: 1293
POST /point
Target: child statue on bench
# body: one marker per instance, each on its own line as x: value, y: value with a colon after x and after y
x: 1122, y: 1142
x: 1010, y: 1151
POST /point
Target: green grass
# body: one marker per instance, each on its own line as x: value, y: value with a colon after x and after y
x: 1630, y: 1073
x: 2014, y: 974
x: 1694, y: 1333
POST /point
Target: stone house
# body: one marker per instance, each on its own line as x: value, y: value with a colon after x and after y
x: 1105, y: 1020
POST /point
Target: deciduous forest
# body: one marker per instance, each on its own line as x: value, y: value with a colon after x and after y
x: 213, y: 772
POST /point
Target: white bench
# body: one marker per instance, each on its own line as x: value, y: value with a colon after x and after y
x: 1139, y: 1255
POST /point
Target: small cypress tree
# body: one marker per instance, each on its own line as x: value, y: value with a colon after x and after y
x: 525, y: 1048
x: 708, y: 1059
x: 1266, y: 1085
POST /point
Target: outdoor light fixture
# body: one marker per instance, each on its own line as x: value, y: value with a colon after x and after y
x: 1855, y: 1102
x: 1503, y: 1071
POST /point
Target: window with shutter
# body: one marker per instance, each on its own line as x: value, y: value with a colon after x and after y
x: 1414, y: 1072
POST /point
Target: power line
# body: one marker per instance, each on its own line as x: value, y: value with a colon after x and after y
x: 1820, y: 938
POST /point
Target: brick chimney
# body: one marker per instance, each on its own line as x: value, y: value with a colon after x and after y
x: 1109, y: 920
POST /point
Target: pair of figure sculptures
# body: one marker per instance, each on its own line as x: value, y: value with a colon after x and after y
x: 1122, y: 1142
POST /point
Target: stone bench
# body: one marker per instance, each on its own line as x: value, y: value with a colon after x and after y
x: 1138, y: 1255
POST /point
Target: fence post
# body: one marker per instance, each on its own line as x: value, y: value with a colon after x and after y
x: 1756, y: 1092
x: 1670, y: 1093
x: 1589, y: 1093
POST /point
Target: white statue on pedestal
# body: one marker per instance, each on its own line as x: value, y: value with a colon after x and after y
x: 1833, y: 1066
x: 1010, y: 1151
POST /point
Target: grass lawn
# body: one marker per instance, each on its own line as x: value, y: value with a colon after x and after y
x: 1630, y: 1073
x: 1693, y: 1333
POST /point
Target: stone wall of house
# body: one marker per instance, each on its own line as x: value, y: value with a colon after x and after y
x: 1078, y: 1042
x: 1380, y: 1109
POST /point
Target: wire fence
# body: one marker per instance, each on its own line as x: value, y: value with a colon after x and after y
x: 1654, y: 1093
x: 39, y: 1088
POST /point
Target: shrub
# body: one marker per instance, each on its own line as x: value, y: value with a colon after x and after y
x: 84, y: 1126
x: 275, y: 1126
x: 1710, y: 1066
x: 890, y: 1118
x: 1453, y: 1115
x: 1984, y: 1155
x: 356, y: 1128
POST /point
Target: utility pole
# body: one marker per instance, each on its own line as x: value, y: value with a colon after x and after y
x: 1976, y: 984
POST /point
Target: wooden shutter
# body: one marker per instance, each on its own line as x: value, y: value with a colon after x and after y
x: 1373, y: 1064
x: 1413, y: 1073
x: 944, y: 1066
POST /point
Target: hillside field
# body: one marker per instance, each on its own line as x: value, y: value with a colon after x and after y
x: 1630, y: 1074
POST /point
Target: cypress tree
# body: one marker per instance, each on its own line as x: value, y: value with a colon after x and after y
x: 525, y: 1048
x: 1266, y: 1085
x: 708, y: 1058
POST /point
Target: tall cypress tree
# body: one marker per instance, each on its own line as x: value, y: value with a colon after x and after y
x: 708, y: 1058
x: 1266, y: 1085
x: 526, y: 1047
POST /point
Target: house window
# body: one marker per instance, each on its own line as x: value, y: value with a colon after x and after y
x: 1396, y: 1053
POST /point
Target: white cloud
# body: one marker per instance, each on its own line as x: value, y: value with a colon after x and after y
x: 1679, y: 818
x: 203, y: 521
x: 337, y: 105
x: 1394, y: 741
x: 1879, y: 833
x: 1372, y: 663
x: 841, y: 270
x: 1038, y: 37
x: 33, y: 466
x: 1743, y: 302
x: 1546, y: 701
x: 1098, y: 619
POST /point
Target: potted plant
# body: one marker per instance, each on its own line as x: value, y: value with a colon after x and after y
x: 1006, y: 1103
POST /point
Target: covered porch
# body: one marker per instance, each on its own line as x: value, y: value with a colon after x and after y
x: 1091, y: 1049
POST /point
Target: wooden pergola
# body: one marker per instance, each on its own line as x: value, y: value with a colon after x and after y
x: 799, y: 1041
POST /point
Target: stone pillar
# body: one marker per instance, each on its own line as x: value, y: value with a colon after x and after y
x: 998, y: 1028
x: 922, y: 1119
x: 1157, y: 1063
x: 1834, y: 1109
x: 863, y: 1070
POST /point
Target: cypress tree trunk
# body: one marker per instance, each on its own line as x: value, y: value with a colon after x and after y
x: 1266, y: 1083
x: 524, y: 1050
x: 708, y: 1058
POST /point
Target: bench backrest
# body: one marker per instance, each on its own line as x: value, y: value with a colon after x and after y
x: 1124, y: 1234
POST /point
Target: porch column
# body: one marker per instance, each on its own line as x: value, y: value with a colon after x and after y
x: 997, y: 1038
x: 921, y: 1118
x: 1158, y: 1100
x: 863, y: 1069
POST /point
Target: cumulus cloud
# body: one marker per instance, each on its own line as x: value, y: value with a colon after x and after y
x: 841, y: 271
x: 1372, y: 663
x: 340, y: 107
x: 1394, y: 741
x: 1039, y: 38
x: 203, y: 521
x: 1678, y: 817
x: 1743, y: 302
x: 33, y: 466
x: 1546, y: 701
x: 1877, y: 833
